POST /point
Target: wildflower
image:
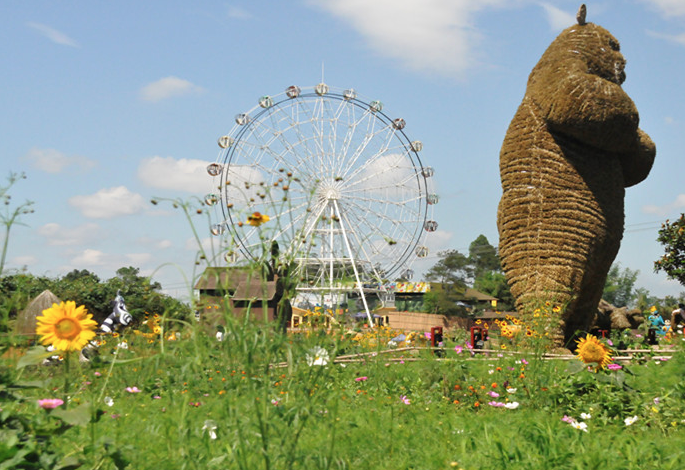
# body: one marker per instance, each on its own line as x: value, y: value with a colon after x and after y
x: 50, y: 403
x: 657, y: 400
x: 567, y: 419
x: 256, y: 219
x: 630, y: 420
x: 133, y: 390
x: 156, y: 397
x: 360, y: 379
x: 613, y: 366
x: 97, y: 374
x: 109, y: 401
x: 274, y: 402
x: 317, y: 356
x: 511, y: 390
x: 579, y: 425
x: 123, y: 345
x: 496, y: 404
x: 585, y: 416
x: 493, y: 394
x: 512, y: 405
x: 591, y: 350
x: 405, y: 400
x: 458, y: 349
x: 65, y: 326
x: 210, y: 427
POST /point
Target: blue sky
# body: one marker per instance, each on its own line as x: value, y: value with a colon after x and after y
x: 106, y: 105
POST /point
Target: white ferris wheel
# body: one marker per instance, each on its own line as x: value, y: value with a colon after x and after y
x: 342, y: 186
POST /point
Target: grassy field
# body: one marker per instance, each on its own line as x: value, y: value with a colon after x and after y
x: 263, y: 400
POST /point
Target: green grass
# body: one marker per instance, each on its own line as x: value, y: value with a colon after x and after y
x: 271, y: 410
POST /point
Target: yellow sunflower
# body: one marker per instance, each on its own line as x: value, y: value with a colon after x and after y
x: 65, y: 326
x: 257, y: 219
x: 591, y: 351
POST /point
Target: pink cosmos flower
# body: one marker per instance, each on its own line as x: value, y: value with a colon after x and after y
x: 360, y: 379
x: 97, y: 374
x: 405, y: 400
x: 614, y: 366
x: 458, y: 349
x: 50, y: 403
x: 497, y: 404
x: 493, y: 394
x: 133, y: 390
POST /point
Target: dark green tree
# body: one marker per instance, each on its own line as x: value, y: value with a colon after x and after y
x: 483, y: 257
x: 449, y: 277
x: 495, y: 284
x: 672, y: 237
x: 618, y: 288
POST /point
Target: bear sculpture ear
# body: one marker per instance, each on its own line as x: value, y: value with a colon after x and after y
x: 582, y: 13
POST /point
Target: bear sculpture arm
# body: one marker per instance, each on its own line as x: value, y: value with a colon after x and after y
x: 597, y: 112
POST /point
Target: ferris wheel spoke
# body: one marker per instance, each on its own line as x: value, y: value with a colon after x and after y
x: 342, y: 187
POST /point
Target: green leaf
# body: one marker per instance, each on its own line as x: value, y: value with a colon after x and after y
x: 574, y: 367
x: 34, y: 356
x: 79, y: 416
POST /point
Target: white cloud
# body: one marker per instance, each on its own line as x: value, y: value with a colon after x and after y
x: 676, y: 38
x: 89, y: 258
x: 663, y: 211
x: 168, y: 87
x: 24, y: 260
x: 238, y: 13
x: 668, y: 7
x: 137, y: 259
x: 108, y: 203
x: 180, y: 175
x: 58, y: 235
x: 558, y: 19
x: 54, y: 161
x: 53, y: 35
x: 428, y: 36
x: 156, y: 243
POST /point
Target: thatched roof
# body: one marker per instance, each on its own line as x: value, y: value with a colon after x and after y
x: 26, y: 320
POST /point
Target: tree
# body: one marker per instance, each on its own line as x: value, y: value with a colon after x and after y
x: 672, y: 237
x: 495, y: 284
x: 483, y: 257
x: 618, y: 288
x: 450, y: 273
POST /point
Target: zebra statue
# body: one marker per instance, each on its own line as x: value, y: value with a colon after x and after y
x: 119, y: 315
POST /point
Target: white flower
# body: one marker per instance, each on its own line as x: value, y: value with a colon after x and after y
x: 512, y: 406
x: 585, y: 416
x: 219, y: 336
x: 210, y: 427
x: 579, y: 425
x: 491, y: 371
x: 123, y: 345
x: 630, y: 420
x: 109, y: 401
x: 317, y: 356
x: 511, y: 390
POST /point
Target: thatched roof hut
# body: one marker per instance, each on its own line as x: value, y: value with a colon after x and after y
x: 26, y: 320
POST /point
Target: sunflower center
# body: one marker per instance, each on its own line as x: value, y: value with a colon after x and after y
x: 67, y: 328
x: 592, y: 352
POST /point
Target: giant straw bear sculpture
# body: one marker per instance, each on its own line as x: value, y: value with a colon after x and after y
x: 569, y: 153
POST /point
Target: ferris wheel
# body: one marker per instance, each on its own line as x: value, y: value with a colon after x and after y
x: 329, y: 177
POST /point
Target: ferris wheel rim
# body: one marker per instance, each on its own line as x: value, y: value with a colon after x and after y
x: 229, y: 157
